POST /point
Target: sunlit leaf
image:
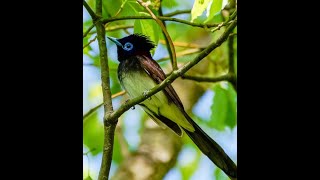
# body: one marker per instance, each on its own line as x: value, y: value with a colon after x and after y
x: 223, y: 109
x: 220, y: 175
x: 214, y: 9
x: 88, y: 178
x: 169, y: 3
x: 149, y: 28
x: 217, y: 18
x: 198, y: 8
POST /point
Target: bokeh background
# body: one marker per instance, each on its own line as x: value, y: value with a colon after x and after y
x: 211, y: 105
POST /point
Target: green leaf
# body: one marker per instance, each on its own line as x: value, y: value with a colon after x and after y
x: 214, y: 9
x: 198, y: 8
x: 218, y: 174
x: 223, y: 109
x: 169, y: 3
x: 88, y: 178
x: 149, y: 28
x: 93, y: 133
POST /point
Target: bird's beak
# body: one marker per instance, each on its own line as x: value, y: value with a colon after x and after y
x: 115, y: 41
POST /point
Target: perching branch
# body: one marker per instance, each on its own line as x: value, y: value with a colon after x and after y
x: 172, y: 51
x: 175, y: 74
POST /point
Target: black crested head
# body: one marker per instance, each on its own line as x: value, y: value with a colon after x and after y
x: 132, y: 45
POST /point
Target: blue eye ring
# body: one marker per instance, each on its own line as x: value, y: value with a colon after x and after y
x: 127, y: 46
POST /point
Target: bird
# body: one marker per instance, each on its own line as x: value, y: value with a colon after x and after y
x: 138, y: 72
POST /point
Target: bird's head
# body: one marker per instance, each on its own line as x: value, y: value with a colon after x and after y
x: 132, y: 45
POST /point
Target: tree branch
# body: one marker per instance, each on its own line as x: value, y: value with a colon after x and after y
x: 113, y: 28
x: 172, y: 51
x: 226, y: 77
x: 91, y: 41
x: 109, y: 124
x: 175, y: 74
x: 177, y: 12
x: 172, y: 57
x: 90, y: 11
x: 231, y: 62
x: 164, y: 18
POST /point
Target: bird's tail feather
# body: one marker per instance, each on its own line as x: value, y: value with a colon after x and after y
x: 211, y: 149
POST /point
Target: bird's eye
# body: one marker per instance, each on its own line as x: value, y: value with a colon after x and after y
x: 128, y: 46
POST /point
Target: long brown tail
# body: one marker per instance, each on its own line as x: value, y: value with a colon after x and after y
x: 211, y: 149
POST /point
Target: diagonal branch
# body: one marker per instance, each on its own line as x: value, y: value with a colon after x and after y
x: 175, y: 74
x: 172, y: 51
x: 88, y: 30
x: 173, y: 57
x: 226, y: 77
x: 90, y: 11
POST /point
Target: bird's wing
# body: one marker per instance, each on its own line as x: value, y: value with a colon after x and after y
x: 153, y: 69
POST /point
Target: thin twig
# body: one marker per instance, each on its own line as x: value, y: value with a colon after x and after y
x: 181, y: 53
x: 167, y: 43
x: 117, y: 27
x: 182, y: 44
x: 177, y: 13
x: 87, y: 114
x: 92, y: 40
x: 88, y: 30
x: 86, y: 153
x: 164, y: 30
x: 226, y: 77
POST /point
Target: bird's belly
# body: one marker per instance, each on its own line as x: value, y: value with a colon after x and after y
x: 136, y: 83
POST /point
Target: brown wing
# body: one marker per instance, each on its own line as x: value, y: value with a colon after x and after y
x: 154, y: 70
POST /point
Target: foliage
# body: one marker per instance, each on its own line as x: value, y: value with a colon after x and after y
x: 223, y: 112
